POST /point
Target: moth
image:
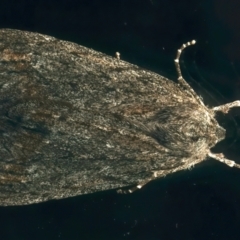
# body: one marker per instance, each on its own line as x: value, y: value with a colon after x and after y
x: 74, y: 121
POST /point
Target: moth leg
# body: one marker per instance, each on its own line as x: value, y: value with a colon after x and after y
x: 133, y: 189
x: 155, y: 175
x: 226, y: 107
x: 130, y: 190
x: 180, y: 77
x: 219, y: 157
x: 137, y: 187
x: 117, y: 55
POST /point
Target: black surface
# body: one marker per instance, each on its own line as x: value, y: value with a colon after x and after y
x: 199, y: 204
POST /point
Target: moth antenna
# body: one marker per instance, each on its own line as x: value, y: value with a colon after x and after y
x: 219, y: 157
x: 180, y: 77
x: 226, y: 107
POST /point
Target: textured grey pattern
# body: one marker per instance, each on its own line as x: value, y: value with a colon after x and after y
x: 75, y: 121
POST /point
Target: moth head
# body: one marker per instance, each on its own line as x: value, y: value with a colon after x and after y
x: 228, y: 123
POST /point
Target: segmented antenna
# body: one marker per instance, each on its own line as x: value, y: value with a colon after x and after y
x: 180, y: 77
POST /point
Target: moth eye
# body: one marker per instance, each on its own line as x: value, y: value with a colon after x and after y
x: 213, y: 121
x: 195, y: 139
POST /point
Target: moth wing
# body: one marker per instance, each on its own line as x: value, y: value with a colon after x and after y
x: 74, y: 120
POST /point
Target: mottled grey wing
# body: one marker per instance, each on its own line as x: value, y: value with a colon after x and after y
x: 75, y: 121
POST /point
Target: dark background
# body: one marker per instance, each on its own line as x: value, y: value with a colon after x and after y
x: 203, y: 203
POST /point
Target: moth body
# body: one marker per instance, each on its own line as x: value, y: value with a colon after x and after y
x: 75, y: 121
